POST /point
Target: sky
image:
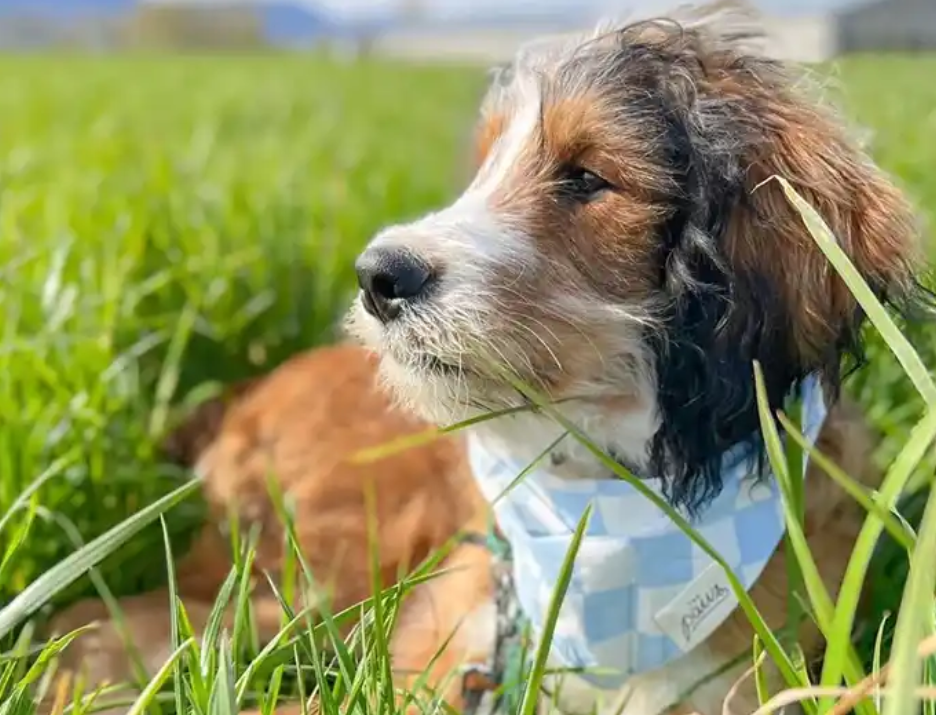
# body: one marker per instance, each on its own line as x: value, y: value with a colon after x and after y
x: 583, y: 9
x: 456, y: 8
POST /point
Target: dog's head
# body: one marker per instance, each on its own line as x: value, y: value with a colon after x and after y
x: 621, y: 241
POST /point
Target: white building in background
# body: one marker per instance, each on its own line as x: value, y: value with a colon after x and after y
x: 805, y: 31
x: 804, y: 38
x: 887, y: 25
x: 477, y: 30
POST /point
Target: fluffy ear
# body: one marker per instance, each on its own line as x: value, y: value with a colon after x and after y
x: 743, y: 279
x: 184, y: 444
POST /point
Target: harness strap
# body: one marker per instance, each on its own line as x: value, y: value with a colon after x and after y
x: 495, y: 687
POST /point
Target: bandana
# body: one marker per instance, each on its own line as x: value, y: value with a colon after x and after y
x: 642, y: 593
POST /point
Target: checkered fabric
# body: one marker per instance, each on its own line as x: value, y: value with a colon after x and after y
x: 633, y: 563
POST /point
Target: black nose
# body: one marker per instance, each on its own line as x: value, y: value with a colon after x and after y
x: 389, y: 278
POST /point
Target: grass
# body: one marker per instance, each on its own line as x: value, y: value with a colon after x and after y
x: 170, y: 221
x: 166, y: 222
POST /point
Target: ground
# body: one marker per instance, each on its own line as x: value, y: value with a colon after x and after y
x: 170, y: 221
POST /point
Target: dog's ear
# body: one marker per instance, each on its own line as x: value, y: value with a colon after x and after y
x: 743, y: 279
x: 184, y: 444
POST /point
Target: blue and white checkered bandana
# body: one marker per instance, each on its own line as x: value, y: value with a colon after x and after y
x: 642, y: 593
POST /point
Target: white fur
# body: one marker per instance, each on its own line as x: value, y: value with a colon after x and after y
x: 507, y: 149
x: 473, y: 242
x: 529, y: 435
x: 469, y: 243
x: 465, y: 239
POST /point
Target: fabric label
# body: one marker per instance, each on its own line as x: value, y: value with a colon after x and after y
x: 699, y: 609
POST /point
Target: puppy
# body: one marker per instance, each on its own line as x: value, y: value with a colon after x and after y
x: 622, y: 252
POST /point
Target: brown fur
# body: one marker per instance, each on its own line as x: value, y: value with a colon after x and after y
x: 864, y: 210
x: 581, y: 130
x: 610, y: 245
x: 430, y: 497
x: 303, y: 424
x: 486, y: 134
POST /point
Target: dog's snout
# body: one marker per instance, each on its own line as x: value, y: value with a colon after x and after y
x: 389, y: 278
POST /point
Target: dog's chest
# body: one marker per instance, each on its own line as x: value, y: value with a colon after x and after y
x: 640, y: 595
x: 530, y: 438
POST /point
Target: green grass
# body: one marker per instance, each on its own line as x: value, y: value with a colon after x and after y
x: 170, y: 221
x: 164, y: 222
x: 884, y: 94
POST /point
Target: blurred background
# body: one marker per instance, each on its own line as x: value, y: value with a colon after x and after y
x: 811, y: 30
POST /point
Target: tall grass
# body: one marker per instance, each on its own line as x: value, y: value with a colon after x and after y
x: 165, y: 223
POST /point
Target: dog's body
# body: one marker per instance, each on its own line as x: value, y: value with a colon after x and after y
x: 618, y: 250
x: 425, y: 496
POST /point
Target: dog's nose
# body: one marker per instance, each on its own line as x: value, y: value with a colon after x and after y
x: 389, y: 278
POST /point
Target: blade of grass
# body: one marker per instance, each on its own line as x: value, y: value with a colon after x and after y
x: 330, y: 689
x: 899, y: 473
x: 877, y: 314
x: 223, y: 700
x: 243, y: 682
x: 894, y: 526
x: 760, y: 677
x: 215, y: 622
x: 148, y: 695
x: 289, y: 575
x: 294, y: 618
x: 381, y: 642
x: 53, y: 470
x: 17, y: 704
x: 16, y: 542
x: 169, y: 376
x: 196, y: 684
x: 426, y: 436
x: 345, y: 660
x: 137, y: 666
x: 49, y: 652
x: 242, y: 605
x: 819, y: 598
x: 531, y: 693
x: 794, y: 458
x: 303, y: 700
x: 61, y: 694
x: 175, y: 641
x: 877, y: 664
x: 796, y: 585
x: 15, y: 667
x: 70, y: 569
x: 421, y: 575
x: 529, y: 468
x: 421, y: 683
x: 913, y: 618
x: 272, y: 693
x: 355, y: 693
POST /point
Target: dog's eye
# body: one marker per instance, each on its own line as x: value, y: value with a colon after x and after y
x: 582, y: 185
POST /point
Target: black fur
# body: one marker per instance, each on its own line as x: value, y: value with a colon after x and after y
x: 713, y: 323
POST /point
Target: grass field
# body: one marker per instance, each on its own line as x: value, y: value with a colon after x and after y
x: 211, y: 205
x: 167, y: 222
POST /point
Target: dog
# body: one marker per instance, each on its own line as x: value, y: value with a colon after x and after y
x: 623, y: 257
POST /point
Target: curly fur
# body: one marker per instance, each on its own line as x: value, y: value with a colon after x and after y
x: 694, y: 268
x: 641, y: 312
